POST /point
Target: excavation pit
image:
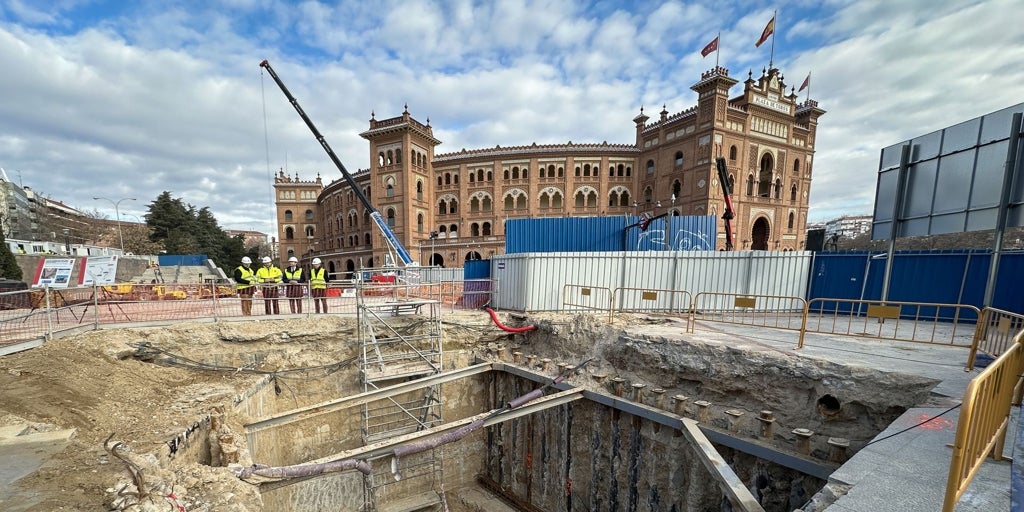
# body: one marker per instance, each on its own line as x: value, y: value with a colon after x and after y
x: 621, y: 433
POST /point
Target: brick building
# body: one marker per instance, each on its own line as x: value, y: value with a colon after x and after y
x: 464, y: 197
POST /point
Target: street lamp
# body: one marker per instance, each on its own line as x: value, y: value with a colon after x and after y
x: 117, y: 214
x: 433, y: 236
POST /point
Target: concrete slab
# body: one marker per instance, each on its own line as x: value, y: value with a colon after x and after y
x: 23, y: 451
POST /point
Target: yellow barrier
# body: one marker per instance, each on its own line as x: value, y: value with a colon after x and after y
x: 984, y: 417
x: 919, y: 322
x: 577, y: 297
x: 775, y: 311
x: 995, y: 333
x: 652, y: 300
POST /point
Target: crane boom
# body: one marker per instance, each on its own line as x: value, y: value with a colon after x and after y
x: 382, y: 225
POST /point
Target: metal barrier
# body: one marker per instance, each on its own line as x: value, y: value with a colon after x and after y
x: 775, y: 311
x: 652, y: 300
x: 995, y: 333
x: 468, y: 293
x: 918, y: 322
x: 984, y: 418
x: 578, y: 297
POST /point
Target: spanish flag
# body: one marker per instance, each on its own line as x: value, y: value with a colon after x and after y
x: 769, y: 29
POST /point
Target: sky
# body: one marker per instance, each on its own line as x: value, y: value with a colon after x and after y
x: 124, y: 100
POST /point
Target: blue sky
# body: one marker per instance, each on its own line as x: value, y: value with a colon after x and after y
x: 128, y: 99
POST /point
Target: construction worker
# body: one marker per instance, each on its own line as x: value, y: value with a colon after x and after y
x: 270, y: 277
x: 294, y: 277
x: 245, y: 284
x: 318, y: 284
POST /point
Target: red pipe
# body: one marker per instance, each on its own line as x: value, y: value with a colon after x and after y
x: 494, y: 316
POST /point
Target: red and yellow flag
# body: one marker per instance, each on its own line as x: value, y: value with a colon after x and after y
x: 769, y: 29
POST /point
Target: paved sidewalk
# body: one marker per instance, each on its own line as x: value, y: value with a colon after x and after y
x: 908, y: 472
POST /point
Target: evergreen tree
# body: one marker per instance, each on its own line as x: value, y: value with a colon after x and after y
x: 9, y: 268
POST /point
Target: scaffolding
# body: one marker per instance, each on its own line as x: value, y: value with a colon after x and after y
x: 399, y: 329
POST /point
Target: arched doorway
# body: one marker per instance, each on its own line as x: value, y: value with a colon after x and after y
x: 436, y: 260
x: 764, y: 177
x: 473, y: 255
x: 759, y: 235
x: 350, y: 268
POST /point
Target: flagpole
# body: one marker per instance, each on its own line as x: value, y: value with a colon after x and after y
x: 808, y: 87
x: 718, y: 47
x: 775, y: 26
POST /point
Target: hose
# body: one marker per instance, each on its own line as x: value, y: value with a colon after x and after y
x: 494, y: 316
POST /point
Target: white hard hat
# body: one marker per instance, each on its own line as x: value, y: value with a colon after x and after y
x: 316, y: 261
x: 245, y: 259
x: 266, y: 259
x: 293, y: 259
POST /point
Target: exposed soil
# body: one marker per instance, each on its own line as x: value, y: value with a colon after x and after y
x: 106, y: 385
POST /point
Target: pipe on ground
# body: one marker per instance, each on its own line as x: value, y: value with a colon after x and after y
x: 494, y: 316
x: 303, y: 470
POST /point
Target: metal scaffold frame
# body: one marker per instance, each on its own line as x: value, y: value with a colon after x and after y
x: 399, y: 330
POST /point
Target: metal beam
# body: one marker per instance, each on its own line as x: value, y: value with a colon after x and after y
x: 731, y: 484
x: 761, y: 451
x: 294, y: 415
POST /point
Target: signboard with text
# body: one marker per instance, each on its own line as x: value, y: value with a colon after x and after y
x: 53, y: 272
x: 98, y: 271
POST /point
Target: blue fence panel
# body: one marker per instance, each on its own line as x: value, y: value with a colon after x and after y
x: 590, y: 234
x: 190, y: 260
x: 476, y: 269
x: 951, y: 277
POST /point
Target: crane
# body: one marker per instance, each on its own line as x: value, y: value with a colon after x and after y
x: 389, y: 236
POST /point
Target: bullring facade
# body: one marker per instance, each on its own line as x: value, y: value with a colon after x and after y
x: 450, y: 207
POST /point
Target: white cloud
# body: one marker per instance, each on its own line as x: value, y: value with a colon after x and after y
x: 170, y: 98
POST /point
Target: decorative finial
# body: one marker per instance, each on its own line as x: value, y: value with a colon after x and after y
x: 372, y: 115
x: 406, y: 108
x: 428, y: 121
x: 750, y: 73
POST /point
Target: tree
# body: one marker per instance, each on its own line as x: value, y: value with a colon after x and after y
x: 9, y: 268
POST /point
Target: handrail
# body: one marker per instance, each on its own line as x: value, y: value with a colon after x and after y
x: 984, y: 418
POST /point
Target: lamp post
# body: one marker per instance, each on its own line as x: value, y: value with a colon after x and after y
x: 117, y: 214
x: 433, y: 236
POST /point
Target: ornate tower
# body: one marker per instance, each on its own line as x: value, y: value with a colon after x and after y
x: 296, y: 202
x: 401, y: 181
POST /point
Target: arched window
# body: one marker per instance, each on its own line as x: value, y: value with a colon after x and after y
x: 439, y: 181
x: 442, y: 207
x: 521, y: 202
x: 792, y: 218
x: 389, y: 187
x: 419, y: 190
x: 586, y: 169
x: 390, y: 157
x: 624, y: 198
x: 490, y: 176
x: 510, y: 203
x: 453, y: 206
x: 367, y: 241
x: 474, y: 229
x: 447, y: 178
x: 287, y: 215
x: 792, y: 193
x: 391, y: 217
x: 650, y: 167
x: 648, y: 194
x: 526, y: 173
x: 453, y: 231
x: 764, y: 177
x: 679, y: 158
x: 545, y: 201
x: 472, y: 177
x: 487, y: 229
x: 620, y: 169
x: 561, y: 171
x: 309, y: 214
x: 289, y: 233
x: 515, y: 172
x: 677, y: 188
x: 309, y: 232
x: 577, y: 171
x: 419, y: 223
x: 750, y: 184
x: 611, y: 171
x: 796, y: 166
x: 580, y: 199
x: 629, y: 170
x: 474, y: 204
x: 506, y: 174
x: 398, y: 157
x: 551, y: 170
x: 778, y: 189
x: 455, y: 178
x: 732, y: 152
x: 479, y: 174
x: 380, y: 159
x: 487, y: 204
